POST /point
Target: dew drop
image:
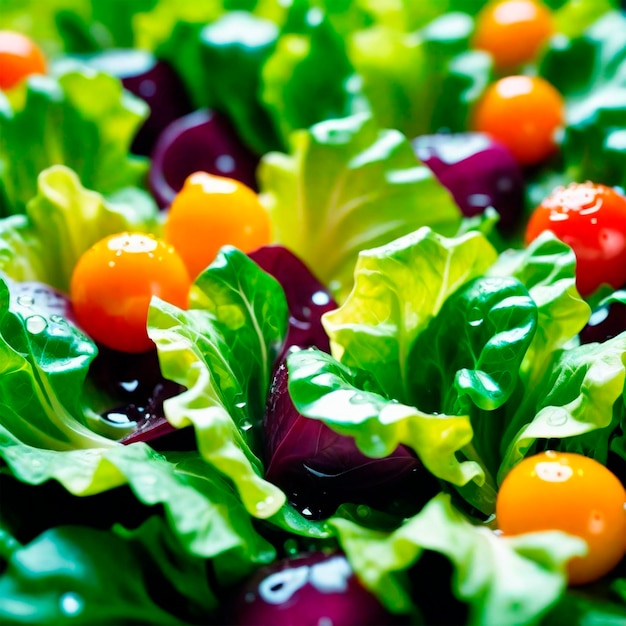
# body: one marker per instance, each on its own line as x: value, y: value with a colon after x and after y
x: 475, y: 316
x: 225, y: 163
x: 36, y: 324
x: 25, y: 300
x: 557, y: 418
x: 71, y: 603
x: 363, y: 511
x: 321, y: 298
x: 291, y: 547
x: 264, y: 504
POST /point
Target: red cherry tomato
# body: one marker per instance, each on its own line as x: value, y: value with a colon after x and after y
x: 513, y: 31
x: 592, y: 220
x: 524, y: 113
x: 211, y: 211
x: 19, y: 58
x: 114, y: 281
x: 574, y: 494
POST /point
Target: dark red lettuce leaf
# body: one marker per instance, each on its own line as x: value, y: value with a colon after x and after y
x: 319, y: 468
x: 307, y: 298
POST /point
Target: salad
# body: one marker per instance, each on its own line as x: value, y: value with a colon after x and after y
x: 312, y: 311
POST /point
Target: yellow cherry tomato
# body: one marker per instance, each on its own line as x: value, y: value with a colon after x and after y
x: 513, y: 31
x: 524, y: 113
x: 212, y: 211
x: 19, y: 57
x: 113, y: 282
x: 572, y: 493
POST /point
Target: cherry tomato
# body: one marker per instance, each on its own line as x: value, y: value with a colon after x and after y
x: 591, y: 219
x: 513, y: 31
x: 524, y: 113
x: 19, y: 58
x: 211, y: 211
x: 571, y: 493
x: 114, y: 281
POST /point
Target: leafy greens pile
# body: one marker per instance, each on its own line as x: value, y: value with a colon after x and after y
x: 446, y: 340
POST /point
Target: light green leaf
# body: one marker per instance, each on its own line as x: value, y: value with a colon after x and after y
x: 398, y: 289
x: 348, y: 186
x: 505, y: 581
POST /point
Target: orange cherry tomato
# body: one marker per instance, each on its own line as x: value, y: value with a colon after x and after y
x: 19, y: 57
x: 211, y: 211
x: 574, y: 494
x: 114, y: 281
x: 524, y: 113
x: 591, y: 219
x: 513, y: 31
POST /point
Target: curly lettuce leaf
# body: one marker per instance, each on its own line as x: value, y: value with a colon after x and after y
x: 44, y: 365
x: 587, y: 67
x: 322, y: 388
x: 547, y: 268
x: 470, y: 354
x: 62, y: 221
x: 506, y: 581
x: 208, y: 349
x: 399, y: 287
x: 308, y: 77
x: 200, y: 506
x: 348, y: 186
x: 83, y: 119
x: 580, y: 403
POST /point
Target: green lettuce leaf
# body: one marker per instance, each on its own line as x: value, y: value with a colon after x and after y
x: 44, y: 365
x: 470, y: 353
x: 399, y: 288
x: 308, y: 77
x: 209, y: 349
x: 62, y: 221
x: 234, y: 39
x: 504, y: 580
x: 580, y: 403
x: 200, y: 506
x: 348, y: 186
x: 547, y: 268
x: 70, y: 574
x: 588, y: 69
x: 250, y: 311
x: 83, y: 119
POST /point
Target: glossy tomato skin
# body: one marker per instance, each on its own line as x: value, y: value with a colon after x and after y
x: 19, y: 57
x: 112, y: 285
x: 212, y: 211
x: 571, y: 493
x: 524, y: 113
x: 591, y: 219
x: 513, y: 31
